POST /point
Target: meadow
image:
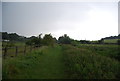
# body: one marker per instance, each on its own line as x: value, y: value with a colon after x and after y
x: 64, y: 61
x: 111, y: 40
x: 84, y: 62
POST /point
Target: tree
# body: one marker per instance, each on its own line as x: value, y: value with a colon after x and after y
x: 48, y: 40
x: 13, y: 37
x: 35, y: 41
x: 29, y: 43
x: 64, y: 39
x: 5, y: 35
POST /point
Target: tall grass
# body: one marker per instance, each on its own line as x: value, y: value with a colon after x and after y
x: 111, y: 51
x: 85, y: 64
x: 21, y: 66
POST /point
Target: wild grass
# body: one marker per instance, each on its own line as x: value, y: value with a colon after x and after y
x: 44, y: 63
x: 111, y: 51
x: 85, y: 64
x: 110, y: 40
x: 84, y: 61
x: 20, y: 66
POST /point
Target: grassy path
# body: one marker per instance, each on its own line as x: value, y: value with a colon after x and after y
x: 51, y: 65
x: 47, y: 64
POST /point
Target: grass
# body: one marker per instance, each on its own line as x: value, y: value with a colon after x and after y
x: 111, y: 51
x: 12, y: 44
x: 83, y: 63
x: 11, y: 51
x: 110, y: 40
x: 11, y: 48
x: 45, y: 63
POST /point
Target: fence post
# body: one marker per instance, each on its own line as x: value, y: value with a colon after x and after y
x: 5, y: 52
x: 16, y: 51
x: 25, y: 50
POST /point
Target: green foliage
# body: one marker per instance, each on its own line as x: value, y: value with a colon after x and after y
x: 48, y: 40
x: 84, y: 41
x: 111, y: 51
x: 110, y: 41
x: 44, y: 63
x: 64, y: 39
x: 38, y: 41
x: 29, y: 43
x: 74, y: 43
x: 85, y: 64
x: 35, y: 41
x: 15, y: 68
x: 12, y: 37
x: 5, y: 35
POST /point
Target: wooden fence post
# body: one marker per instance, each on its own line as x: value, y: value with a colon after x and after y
x: 5, y: 52
x: 16, y: 51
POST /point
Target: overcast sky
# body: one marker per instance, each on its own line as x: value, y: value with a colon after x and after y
x: 79, y: 20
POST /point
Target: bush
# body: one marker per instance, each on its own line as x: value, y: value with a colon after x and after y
x: 64, y: 39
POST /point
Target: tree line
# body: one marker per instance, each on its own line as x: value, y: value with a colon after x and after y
x: 48, y: 39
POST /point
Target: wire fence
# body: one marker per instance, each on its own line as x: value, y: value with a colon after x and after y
x: 17, y: 50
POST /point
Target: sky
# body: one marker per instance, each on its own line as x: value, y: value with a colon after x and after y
x: 79, y: 20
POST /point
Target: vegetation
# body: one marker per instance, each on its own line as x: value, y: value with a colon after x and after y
x: 64, y: 39
x: 45, y: 63
x: 13, y: 37
x: 48, y: 40
x: 34, y: 42
x: 64, y: 58
x: 82, y: 63
x: 110, y: 41
x: 111, y: 51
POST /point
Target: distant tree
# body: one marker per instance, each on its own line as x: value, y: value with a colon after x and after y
x: 32, y: 37
x: 29, y: 43
x: 40, y: 39
x: 85, y: 42
x: 55, y: 40
x: 35, y: 41
x: 40, y: 36
x: 100, y: 41
x: 13, y: 37
x: 48, y: 40
x: 64, y: 39
x: 5, y: 35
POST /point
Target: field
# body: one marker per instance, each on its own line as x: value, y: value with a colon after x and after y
x: 110, y: 40
x: 87, y: 63
x: 84, y: 61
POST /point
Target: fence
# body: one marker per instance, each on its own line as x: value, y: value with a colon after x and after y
x: 14, y: 51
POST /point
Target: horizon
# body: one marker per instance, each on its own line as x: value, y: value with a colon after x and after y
x: 55, y: 37
x: 79, y: 20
